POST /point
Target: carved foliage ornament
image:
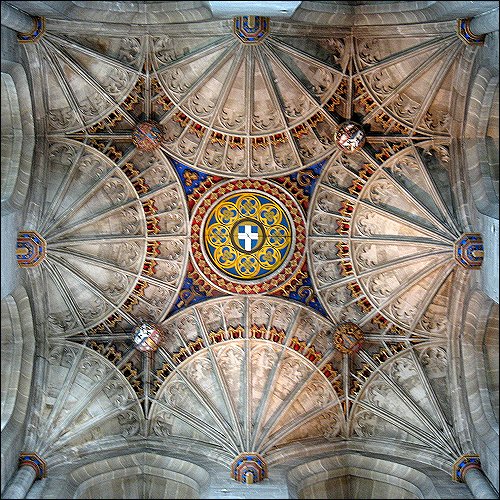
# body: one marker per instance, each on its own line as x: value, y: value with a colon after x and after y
x: 248, y: 237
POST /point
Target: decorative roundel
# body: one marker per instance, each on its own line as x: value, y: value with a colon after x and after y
x: 348, y: 338
x: 148, y: 135
x: 248, y: 237
x: 147, y: 337
x: 350, y: 137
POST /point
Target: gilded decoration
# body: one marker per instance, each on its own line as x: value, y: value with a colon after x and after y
x: 35, y: 34
x: 466, y: 35
x: 300, y: 185
x: 248, y: 237
x: 34, y: 461
x: 348, y: 338
x: 463, y: 464
x: 249, y: 468
x: 30, y: 249
x: 469, y: 250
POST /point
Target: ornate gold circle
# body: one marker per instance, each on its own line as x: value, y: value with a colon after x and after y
x: 248, y: 237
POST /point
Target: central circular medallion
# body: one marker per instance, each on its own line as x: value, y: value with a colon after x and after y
x: 248, y: 236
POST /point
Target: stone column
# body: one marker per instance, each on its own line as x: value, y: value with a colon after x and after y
x: 21, y: 482
x: 467, y: 469
x: 473, y: 31
x: 15, y: 19
x: 485, y: 23
x: 478, y: 484
x: 29, y: 29
x: 38, y: 487
x: 31, y: 467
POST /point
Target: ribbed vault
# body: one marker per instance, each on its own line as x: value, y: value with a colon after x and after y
x: 102, y: 243
x: 246, y: 110
x: 237, y: 374
x: 247, y: 373
x: 382, y: 242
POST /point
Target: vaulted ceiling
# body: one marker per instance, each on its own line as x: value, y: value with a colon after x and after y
x: 261, y: 371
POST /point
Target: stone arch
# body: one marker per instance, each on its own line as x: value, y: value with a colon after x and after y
x: 125, y: 12
x: 481, y: 142
x: 353, y: 475
x: 18, y: 347
x: 139, y: 475
x: 382, y: 13
x: 17, y: 136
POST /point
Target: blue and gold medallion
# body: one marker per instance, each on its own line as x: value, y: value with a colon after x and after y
x: 248, y: 240
x: 248, y: 235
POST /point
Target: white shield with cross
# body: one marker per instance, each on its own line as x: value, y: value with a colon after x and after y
x: 248, y: 236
